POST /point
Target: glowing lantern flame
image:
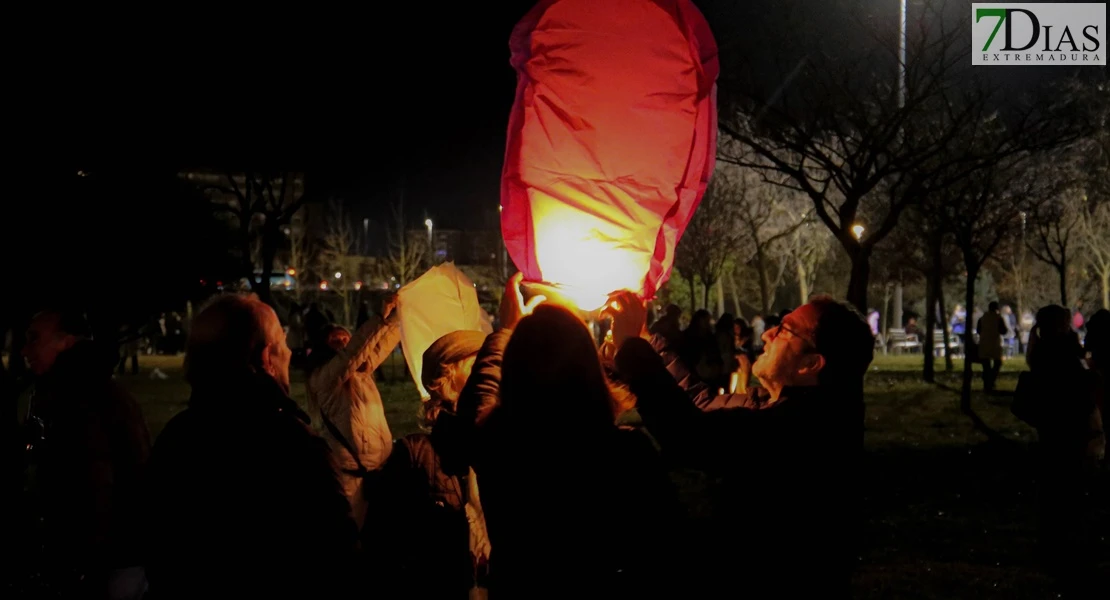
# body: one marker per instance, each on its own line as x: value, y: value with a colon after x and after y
x: 611, y: 142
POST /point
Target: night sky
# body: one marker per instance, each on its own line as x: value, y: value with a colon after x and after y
x: 370, y: 101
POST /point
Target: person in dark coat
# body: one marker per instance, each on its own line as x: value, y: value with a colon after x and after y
x: 787, y: 460
x: 89, y: 445
x: 574, y: 504
x: 1059, y: 397
x: 243, y: 500
x: 432, y: 513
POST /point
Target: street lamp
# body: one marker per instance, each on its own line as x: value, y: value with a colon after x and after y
x: 338, y: 275
x: 902, y: 54
x: 857, y: 230
x: 428, y: 224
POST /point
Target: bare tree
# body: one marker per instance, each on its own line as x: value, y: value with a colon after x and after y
x: 846, y: 138
x: 338, y: 262
x: 710, y: 239
x: 408, y: 252
x: 768, y: 215
x: 1093, y: 226
x: 809, y: 245
x: 981, y: 214
x: 258, y: 206
x: 300, y: 254
x: 1055, y: 237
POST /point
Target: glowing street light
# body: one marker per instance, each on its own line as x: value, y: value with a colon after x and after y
x: 324, y: 285
x: 857, y: 230
x: 428, y: 224
x: 358, y: 285
x: 290, y: 271
x: 338, y: 275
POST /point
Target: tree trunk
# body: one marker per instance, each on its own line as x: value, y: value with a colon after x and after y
x: 764, y: 293
x: 693, y: 296
x: 1106, y: 289
x: 861, y: 273
x: 721, y: 296
x: 896, y: 317
x: 928, y: 347
x: 969, y: 331
x: 705, y: 287
x: 1063, y: 271
x: 885, y: 315
x: 735, y: 292
x: 949, y: 364
x: 803, y: 283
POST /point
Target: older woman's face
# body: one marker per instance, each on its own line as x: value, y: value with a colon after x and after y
x: 338, y: 339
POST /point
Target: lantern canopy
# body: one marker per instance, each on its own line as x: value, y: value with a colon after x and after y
x: 611, y: 142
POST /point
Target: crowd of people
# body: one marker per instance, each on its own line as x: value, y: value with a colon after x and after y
x: 542, y: 469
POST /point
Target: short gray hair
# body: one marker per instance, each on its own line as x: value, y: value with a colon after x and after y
x: 226, y: 340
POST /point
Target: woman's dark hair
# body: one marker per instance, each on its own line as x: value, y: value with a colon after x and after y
x: 551, y: 377
x: 724, y: 324
x: 1052, y: 342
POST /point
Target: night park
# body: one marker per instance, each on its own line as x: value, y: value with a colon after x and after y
x: 558, y: 298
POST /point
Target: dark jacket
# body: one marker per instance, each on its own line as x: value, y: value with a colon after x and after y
x: 576, y: 515
x: 785, y: 509
x: 700, y: 393
x: 90, y: 460
x: 244, y: 501
x: 424, y: 519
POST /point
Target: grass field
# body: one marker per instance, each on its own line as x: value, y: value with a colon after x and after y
x: 950, y: 503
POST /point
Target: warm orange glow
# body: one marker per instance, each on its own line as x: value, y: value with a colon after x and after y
x: 591, y: 254
x: 358, y: 285
x: 323, y: 285
x: 290, y: 271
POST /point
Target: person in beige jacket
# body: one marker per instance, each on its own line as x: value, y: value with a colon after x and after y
x: 342, y: 393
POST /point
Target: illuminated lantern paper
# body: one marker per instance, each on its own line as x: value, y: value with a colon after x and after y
x: 439, y: 302
x: 611, y: 142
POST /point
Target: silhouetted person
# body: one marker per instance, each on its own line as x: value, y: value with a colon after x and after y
x: 363, y: 314
x: 991, y: 329
x: 432, y: 514
x: 315, y: 321
x: 1058, y: 396
x: 669, y: 326
x: 89, y: 444
x: 243, y: 499
x: 129, y: 349
x: 786, y: 512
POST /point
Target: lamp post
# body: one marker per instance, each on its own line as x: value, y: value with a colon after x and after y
x: 366, y: 236
x: 901, y: 54
x: 428, y: 224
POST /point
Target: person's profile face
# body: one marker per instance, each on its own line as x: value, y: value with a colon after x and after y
x: 278, y: 353
x: 44, y: 342
x: 786, y: 346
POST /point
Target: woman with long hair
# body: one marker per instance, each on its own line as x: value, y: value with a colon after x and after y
x: 572, y: 501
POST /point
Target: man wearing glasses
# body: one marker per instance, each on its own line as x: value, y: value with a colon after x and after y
x: 783, y: 516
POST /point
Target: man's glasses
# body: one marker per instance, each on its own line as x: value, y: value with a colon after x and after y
x: 775, y: 331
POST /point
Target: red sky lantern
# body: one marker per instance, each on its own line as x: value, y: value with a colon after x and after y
x: 611, y: 142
